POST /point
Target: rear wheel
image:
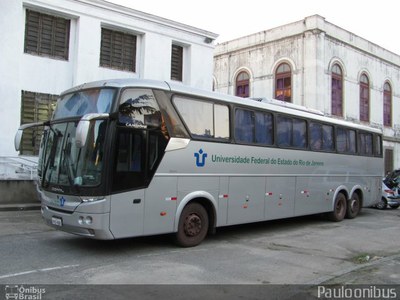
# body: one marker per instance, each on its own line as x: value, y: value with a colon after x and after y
x: 193, y: 225
x: 353, y: 206
x: 339, y: 209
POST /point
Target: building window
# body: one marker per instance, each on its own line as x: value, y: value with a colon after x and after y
x: 176, y: 63
x: 364, y: 98
x: 283, y: 83
x: 389, y: 153
x: 118, y: 50
x: 35, y: 107
x: 337, y: 91
x: 46, y: 35
x: 387, y: 104
x: 242, y: 85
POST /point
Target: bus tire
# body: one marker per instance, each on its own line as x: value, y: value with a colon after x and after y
x: 353, y: 207
x: 193, y: 225
x: 339, y: 209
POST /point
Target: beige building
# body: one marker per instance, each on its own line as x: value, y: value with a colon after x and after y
x: 319, y: 65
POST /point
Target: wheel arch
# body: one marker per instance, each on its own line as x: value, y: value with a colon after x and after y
x: 203, y: 198
x: 340, y: 189
x: 357, y: 189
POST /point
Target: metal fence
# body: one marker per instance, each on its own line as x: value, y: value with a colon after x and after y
x: 18, y: 167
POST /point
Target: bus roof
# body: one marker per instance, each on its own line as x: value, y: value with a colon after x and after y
x: 261, y: 103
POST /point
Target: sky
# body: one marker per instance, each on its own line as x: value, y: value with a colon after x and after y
x: 376, y: 21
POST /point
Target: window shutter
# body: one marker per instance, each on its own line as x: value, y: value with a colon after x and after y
x: 388, y: 160
x: 32, y: 32
x: 47, y: 35
x: 176, y: 62
x: 61, y: 38
x: 118, y: 50
x: 36, y: 107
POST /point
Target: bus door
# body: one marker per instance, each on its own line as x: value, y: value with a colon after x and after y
x: 137, y: 156
x: 129, y: 179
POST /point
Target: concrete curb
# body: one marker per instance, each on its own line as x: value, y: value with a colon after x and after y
x: 16, y: 207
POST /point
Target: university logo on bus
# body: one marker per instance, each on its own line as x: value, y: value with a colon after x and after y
x: 200, y: 158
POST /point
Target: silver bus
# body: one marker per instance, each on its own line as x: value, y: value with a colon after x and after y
x: 126, y: 158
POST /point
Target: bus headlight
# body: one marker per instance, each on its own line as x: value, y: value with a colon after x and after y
x: 88, y: 220
x: 91, y: 199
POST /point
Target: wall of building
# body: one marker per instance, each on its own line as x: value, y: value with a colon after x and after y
x: 21, y: 71
x: 311, y: 46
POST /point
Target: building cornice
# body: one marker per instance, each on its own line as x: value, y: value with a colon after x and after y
x: 310, y: 25
x: 128, y: 12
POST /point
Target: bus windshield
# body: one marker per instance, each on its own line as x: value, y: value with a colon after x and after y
x: 76, y: 104
x: 64, y: 164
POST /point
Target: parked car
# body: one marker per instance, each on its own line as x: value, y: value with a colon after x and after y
x: 390, y: 191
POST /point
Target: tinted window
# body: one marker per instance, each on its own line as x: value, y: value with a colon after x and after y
x: 138, y: 108
x: 321, y: 137
x: 292, y: 132
x: 84, y: 102
x: 244, y: 126
x: 264, y: 128
x: 253, y: 127
x: 346, y: 141
x: 378, y: 145
x: 366, y: 144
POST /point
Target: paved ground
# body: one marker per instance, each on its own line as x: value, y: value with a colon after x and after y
x: 246, y: 261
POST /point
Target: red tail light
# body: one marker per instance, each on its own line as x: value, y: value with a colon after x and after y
x: 389, y: 192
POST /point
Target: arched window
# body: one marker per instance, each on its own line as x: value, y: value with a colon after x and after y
x: 364, y: 98
x: 337, y: 91
x: 283, y: 83
x: 242, y: 84
x: 387, y: 104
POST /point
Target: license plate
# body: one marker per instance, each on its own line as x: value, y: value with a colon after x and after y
x: 56, y: 221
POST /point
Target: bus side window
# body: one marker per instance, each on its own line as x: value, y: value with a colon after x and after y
x: 321, y: 137
x: 341, y: 140
x: 365, y: 144
x: 378, y: 145
x: 244, y: 126
x: 264, y: 128
x: 352, y: 143
x: 328, y: 144
x: 299, y: 133
x: 315, y: 136
x: 284, y: 130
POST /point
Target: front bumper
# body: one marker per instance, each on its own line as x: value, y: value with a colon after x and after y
x: 96, y: 226
x: 393, y: 201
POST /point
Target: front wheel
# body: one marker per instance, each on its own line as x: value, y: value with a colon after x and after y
x: 193, y: 225
x: 394, y: 206
x: 339, y: 208
x: 353, y: 207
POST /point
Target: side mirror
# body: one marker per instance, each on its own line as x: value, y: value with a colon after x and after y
x: 20, y: 131
x: 83, y: 128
